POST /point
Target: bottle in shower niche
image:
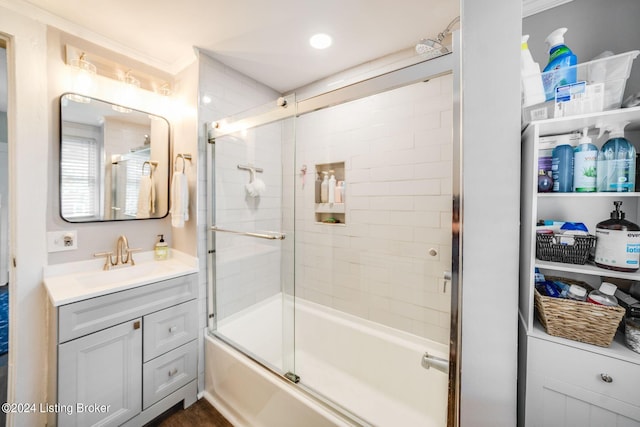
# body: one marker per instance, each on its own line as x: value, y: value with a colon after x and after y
x: 617, y: 242
x: 318, y: 187
x: 562, y: 168
x: 324, y: 188
x: 585, y: 157
x: 332, y: 189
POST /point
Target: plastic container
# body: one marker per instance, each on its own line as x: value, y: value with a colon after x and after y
x: 324, y: 188
x: 562, y: 168
x: 616, y: 160
x: 545, y: 182
x: 617, y: 249
x: 612, y: 71
x: 632, y: 332
x: 577, y: 293
x: 532, y: 87
x: 585, y: 157
x: 562, y: 62
x: 604, y: 295
x: 332, y: 189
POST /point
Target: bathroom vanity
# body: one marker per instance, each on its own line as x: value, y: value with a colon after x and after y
x: 122, y: 343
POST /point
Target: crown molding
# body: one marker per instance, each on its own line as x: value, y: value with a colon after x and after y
x: 531, y: 7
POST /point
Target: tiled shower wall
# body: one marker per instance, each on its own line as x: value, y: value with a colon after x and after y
x: 397, y: 149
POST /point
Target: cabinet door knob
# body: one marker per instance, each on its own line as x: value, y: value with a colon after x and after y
x: 606, y: 378
x: 136, y: 324
x: 173, y: 372
x: 173, y: 329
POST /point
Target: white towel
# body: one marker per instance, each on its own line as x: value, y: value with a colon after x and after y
x: 179, y: 200
x: 146, y: 197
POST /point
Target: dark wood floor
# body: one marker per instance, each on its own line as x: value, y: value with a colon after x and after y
x: 200, y: 414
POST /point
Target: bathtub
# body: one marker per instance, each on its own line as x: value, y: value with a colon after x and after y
x: 368, y: 369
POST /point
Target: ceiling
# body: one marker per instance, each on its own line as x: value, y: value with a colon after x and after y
x: 266, y: 40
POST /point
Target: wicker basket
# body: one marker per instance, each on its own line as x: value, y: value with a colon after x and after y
x: 577, y: 320
x: 549, y: 248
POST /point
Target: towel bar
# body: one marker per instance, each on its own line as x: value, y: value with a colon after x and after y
x: 274, y: 236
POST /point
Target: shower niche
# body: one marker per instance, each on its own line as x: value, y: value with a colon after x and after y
x: 330, y: 193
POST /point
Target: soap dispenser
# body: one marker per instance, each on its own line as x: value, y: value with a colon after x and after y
x: 161, y: 250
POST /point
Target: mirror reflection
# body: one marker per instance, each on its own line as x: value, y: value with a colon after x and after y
x: 114, y: 162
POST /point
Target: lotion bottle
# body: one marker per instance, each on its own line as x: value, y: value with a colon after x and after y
x: 161, y: 249
x: 618, y: 243
x: 585, y: 156
x: 332, y: 189
x: 324, y: 188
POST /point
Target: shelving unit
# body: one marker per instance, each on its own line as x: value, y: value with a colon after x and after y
x: 579, y: 392
x: 325, y: 212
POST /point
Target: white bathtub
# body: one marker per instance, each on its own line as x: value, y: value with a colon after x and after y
x: 371, y: 370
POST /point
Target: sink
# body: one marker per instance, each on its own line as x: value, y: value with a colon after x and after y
x: 72, y: 282
x: 126, y: 273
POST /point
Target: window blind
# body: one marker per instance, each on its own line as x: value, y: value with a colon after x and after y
x: 79, y: 178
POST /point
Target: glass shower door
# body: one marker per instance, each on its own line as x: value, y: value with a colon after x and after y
x: 251, y: 306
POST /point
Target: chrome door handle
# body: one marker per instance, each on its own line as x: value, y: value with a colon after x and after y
x: 274, y: 236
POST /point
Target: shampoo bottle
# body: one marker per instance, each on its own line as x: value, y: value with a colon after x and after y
x: 532, y: 88
x: 618, y: 243
x: 161, y: 250
x: 562, y: 168
x: 562, y: 61
x: 324, y: 188
x: 332, y: 189
x: 585, y: 156
x: 616, y: 160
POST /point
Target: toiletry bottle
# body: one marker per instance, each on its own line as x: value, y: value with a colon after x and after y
x: 562, y: 168
x: 604, y: 295
x: 339, y: 192
x: 332, y: 189
x: 585, y: 156
x: 617, y: 243
x: 324, y: 188
x: 616, y: 160
x: 532, y: 88
x: 562, y: 61
x: 318, y: 188
x: 577, y: 293
x: 161, y: 250
x: 545, y: 182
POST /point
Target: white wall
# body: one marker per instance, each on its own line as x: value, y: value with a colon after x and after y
x: 397, y: 149
x: 490, y: 108
x: 28, y: 151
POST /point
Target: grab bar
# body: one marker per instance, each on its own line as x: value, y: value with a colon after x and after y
x: 429, y: 361
x: 275, y: 236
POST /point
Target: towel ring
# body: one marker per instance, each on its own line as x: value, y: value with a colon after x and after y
x: 152, y: 165
x: 184, y: 158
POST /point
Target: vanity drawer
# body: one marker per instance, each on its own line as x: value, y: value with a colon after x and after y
x: 594, y: 372
x: 169, y: 328
x: 167, y: 373
x: 94, y: 314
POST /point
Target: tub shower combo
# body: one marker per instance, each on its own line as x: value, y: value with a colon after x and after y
x: 337, y: 306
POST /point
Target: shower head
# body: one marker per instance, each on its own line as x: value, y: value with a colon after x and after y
x: 430, y: 46
x: 434, y: 47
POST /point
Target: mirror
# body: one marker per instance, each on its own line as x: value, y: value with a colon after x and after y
x: 114, y: 162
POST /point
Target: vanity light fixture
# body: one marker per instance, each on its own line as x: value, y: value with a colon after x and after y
x: 320, y: 41
x: 83, y: 78
x: 127, y: 92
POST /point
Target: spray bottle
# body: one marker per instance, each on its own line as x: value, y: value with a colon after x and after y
x: 618, y: 242
x: 562, y: 61
x: 532, y: 88
x: 616, y: 160
x: 585, y: 156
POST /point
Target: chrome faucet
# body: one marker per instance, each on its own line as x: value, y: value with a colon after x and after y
x: 123, y: 254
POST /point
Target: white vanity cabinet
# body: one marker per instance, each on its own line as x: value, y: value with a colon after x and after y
x: 564, y: 382
x: 124, y: 358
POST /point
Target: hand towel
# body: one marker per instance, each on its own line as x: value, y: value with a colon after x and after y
x: 179, y: 200
x: 146, y: 197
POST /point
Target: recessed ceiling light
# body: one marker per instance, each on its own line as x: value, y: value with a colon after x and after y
x: 320, y: 41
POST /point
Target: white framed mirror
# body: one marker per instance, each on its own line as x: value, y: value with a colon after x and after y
x: 114, y: 162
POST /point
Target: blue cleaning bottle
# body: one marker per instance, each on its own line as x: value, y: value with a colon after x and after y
x: 616, y: 160
x: 562, y: 168
x: 562, y: 61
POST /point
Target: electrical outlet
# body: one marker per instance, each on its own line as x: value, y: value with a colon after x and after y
x: 62, y: 240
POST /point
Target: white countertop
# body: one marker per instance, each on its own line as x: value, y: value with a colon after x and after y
x: 77, y: 281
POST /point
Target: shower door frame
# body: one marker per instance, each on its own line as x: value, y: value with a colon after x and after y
x: 428, y: 69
